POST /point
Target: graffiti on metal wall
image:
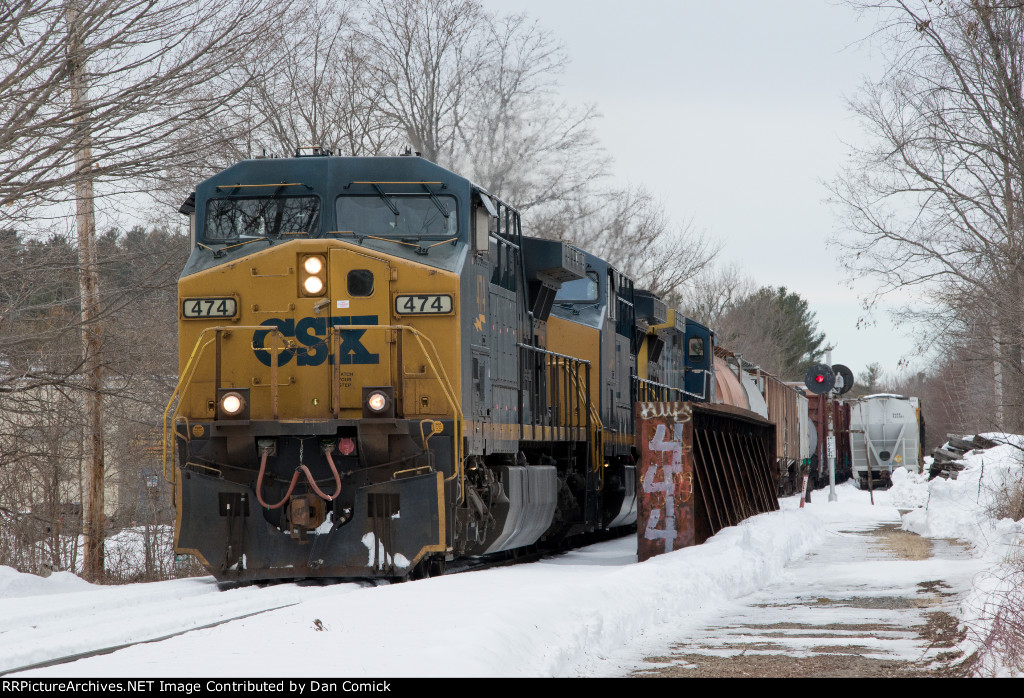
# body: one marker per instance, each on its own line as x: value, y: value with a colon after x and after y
x: 666, y: 479
x: 679, y: 411
x: 668, y: 470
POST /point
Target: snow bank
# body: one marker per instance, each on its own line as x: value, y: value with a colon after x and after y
x: 557, y: 617
x: 14, y: 584
x: 962, y: 508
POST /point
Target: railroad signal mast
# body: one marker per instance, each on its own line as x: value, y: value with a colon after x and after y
x: 830, y: 381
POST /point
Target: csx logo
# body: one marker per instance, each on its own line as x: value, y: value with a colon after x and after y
x: 312, y: 332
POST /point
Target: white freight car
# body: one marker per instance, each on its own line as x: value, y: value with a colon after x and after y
x: 885, y: 433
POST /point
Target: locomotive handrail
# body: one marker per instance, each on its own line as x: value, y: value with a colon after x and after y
x: 441, y: 376
x: 553, y: 353
x: 594, y: 424
x: 185, y: 380
x: 449, y: 392
x: 596, y: 429
x: 570, y: 366
x: 643, y: 382
x: 432, y: 357
x: 653, y: 388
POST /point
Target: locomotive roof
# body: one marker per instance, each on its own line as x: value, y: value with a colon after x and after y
x: 334, y: 173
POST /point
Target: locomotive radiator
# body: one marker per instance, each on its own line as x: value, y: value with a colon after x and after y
x: 703, y: 467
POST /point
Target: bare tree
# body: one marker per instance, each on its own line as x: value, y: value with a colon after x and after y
x: 631, y: 229
x: 520, y: 141
x: 478, y: 93
x: 116, y: 81
x: 43, y: 396
x: 88, y: 283
x: 314, y: 88
x: 711, y: 293
x: 150, y: 68
x: 934, y: 203
x: 425, y: 54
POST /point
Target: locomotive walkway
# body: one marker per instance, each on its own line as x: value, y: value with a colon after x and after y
x: 874, y: 602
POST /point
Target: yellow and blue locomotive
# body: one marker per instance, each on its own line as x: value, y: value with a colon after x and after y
x: 380, y: 373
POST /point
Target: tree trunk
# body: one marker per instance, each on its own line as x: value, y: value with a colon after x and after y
x: 92, y: 339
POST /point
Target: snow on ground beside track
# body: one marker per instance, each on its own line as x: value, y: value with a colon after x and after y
x: 14, y: 584
x: 538, y: 619
x: 962, y: 509
x: 562, y: 616
x: 44, y: 619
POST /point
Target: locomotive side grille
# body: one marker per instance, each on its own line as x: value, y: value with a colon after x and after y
x: 381, y: 508
x: 382, y: 504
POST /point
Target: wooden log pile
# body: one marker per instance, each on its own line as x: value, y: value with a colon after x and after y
x: 947, y: 460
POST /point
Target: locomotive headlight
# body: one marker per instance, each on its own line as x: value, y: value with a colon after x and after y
x: 232, y: 403
x: 377, y: 402
x: 313, y: 281
x: 313, y: 265
x: 313, y: 285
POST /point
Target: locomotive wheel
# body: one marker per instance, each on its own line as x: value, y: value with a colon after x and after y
x: 428, y: 567
x: 437, y: 567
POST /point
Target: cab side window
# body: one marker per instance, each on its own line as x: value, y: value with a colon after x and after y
x: 696, y: 350
x: 360, y: 282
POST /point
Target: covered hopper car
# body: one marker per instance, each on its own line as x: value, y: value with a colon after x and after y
x: 886, y: 432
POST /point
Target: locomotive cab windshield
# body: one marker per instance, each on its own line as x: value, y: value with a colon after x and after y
x: 231, y: 219
x: 585, y: 290
x: 414, y: 216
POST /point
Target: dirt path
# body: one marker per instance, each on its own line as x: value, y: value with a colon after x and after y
x: 871, y: 603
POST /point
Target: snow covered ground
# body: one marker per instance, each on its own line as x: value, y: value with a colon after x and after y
x: 589, y: 612
x: 962, y: 508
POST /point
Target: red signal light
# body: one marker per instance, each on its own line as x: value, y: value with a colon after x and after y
x: 819, y: 379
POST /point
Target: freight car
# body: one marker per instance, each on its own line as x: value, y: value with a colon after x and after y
x: 380, y: 373
x: 746, y: 385
x: 886, y: 432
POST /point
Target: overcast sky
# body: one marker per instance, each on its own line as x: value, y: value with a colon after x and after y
x: 734, y: 113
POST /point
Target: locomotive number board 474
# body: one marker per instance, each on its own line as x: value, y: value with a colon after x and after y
x: 416, y: 305
x: 209, y: 307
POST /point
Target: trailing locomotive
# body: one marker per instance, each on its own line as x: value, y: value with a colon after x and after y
x: 380, y: 373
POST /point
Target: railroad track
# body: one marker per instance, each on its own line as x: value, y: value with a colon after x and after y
x: 107, y: 650
x: 91, y: 622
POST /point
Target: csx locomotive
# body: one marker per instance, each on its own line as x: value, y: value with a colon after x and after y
x: 379, y: 373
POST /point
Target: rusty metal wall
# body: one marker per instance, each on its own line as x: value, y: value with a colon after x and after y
x: 702, y: 467
x: 665, y: 514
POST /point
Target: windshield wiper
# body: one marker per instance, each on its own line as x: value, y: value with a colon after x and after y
x: 437, y: 202
x: 386, y: 199
x: 217, y: 254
